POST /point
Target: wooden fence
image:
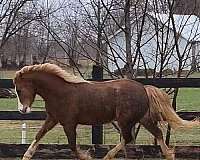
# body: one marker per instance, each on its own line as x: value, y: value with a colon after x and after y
x: 13, y: 150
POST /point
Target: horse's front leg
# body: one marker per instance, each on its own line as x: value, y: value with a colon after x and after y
x: 111, y: 154
x: 70, y: 131
x: 48, y: 125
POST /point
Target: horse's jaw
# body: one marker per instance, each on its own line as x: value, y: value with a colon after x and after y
x: 23, y: 109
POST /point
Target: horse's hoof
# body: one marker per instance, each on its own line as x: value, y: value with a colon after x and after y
x: 85, y: 156
x: 170, y: 155
x: 107, y: 157
x: 26, y: 158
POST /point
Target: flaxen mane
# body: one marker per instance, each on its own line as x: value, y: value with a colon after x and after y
x: 52, y: 69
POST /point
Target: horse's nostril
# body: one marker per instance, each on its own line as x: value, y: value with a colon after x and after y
x: 23, y: 110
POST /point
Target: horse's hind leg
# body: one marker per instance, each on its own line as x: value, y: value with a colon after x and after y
x: 48, y: 125
x: 152, y: 127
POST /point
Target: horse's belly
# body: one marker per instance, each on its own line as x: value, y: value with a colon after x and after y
x: 97, y: 106
x: 96, y: 116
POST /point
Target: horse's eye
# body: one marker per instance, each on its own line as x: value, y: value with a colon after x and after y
x: 18, y: 91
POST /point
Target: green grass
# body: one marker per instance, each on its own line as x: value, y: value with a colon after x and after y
x: 188, y: 100
x: 10, y: 104
x: 10, y: 131
x: 7, y: 74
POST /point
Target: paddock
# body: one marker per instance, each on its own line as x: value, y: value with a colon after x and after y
x: 61, y: 151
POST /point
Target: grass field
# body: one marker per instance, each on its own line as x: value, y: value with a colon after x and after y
x: 10, y: 131
x: 188, y: 100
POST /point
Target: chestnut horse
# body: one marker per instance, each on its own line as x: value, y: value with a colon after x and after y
x: 70, y: 101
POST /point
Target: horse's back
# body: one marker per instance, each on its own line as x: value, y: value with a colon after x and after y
x: 118, y: 84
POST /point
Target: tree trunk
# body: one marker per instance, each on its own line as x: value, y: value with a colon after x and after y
x: 129, y: 68
x: 194, y: 62
x: 99, y: 34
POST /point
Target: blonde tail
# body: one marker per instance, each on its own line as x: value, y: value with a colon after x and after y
x: 160, y: 104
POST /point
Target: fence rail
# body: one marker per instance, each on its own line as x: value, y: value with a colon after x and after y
x: 159, y: 82
x: 41, y: 115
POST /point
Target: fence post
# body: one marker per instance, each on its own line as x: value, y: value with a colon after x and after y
x: 23, y: 141
x: 174, y: 106
x: 97, y: 130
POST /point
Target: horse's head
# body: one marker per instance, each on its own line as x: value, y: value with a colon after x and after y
x: 25, y: 93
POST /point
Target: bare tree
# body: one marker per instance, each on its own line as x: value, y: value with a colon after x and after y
x: 126, y: 38
x: 14, y: 17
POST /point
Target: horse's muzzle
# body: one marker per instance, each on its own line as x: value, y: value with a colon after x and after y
x: 24, y: 110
